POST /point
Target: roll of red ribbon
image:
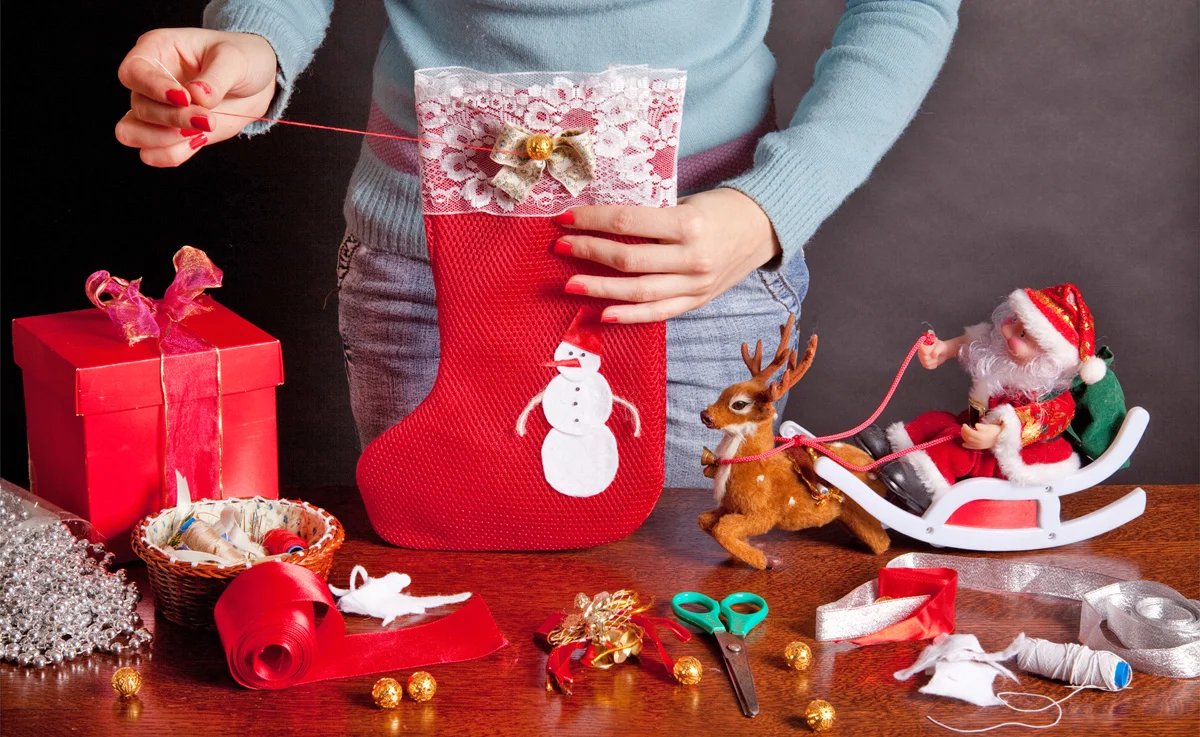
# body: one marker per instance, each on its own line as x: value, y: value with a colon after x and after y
x: 267, y: 620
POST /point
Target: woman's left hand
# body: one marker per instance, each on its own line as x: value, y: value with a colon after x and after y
x: 706, y: 244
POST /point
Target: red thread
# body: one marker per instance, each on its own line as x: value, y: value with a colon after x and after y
x: 817, y: 443
x: 279, y: 542
x: 350, y: 130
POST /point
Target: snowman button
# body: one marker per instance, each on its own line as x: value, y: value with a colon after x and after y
x: 576, y: 388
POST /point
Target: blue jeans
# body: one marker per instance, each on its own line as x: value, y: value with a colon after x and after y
x: 388, y: 320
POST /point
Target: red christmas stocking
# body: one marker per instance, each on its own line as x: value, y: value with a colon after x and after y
x: 544, y: 429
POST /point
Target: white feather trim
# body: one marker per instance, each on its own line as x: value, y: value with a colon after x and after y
x: 1008, y: 453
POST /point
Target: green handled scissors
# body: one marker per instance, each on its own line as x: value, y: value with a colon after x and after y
x: 730, y: 629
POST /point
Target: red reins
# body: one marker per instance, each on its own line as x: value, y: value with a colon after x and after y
x: 817, y: 444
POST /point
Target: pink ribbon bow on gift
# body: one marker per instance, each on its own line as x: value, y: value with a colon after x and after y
x: 193, y: 441
x: 137, y: 316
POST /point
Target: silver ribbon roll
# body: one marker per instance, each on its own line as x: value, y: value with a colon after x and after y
x: 1157, y: 627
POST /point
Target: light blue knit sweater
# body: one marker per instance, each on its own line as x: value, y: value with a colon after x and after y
x: 867, y: 86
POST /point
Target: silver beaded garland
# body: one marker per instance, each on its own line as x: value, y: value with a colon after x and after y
x: 58, y: 601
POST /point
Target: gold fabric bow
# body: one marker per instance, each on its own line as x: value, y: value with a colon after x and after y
x: 567, y: 156
x: 604, y: 620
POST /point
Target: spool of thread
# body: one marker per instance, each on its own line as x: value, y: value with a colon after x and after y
x: 280, y: 541
x: 1076, y: 664
x: 201, y: 536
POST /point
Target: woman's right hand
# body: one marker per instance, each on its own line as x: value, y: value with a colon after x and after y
x: 217, y: 72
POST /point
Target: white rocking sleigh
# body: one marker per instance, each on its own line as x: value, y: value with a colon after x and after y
x: 935, y: 528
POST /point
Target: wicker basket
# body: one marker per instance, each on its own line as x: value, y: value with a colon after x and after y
x: 187, y: 592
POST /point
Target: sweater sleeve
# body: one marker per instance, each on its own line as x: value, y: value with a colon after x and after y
x: 866, y: 87
x: 294, y: 28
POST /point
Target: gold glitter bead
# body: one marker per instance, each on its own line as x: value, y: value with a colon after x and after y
x: 688, y: 670
x: 126, y: 682
x: 387, y: 693
x: 539, y: 146
x: 820, y: 715
x: 421, y: 686
x: 798, y: 655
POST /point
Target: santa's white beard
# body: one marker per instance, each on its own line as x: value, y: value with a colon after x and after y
x: 994, y: 371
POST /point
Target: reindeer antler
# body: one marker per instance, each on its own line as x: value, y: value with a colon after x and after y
x: 794, y: 371
x: 754, y: 362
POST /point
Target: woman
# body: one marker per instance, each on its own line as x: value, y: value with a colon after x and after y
x: 729, y: 263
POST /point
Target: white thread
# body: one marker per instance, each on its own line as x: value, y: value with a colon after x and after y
x: 1076, y: 664
x: 1053, y: 703
x: 161, y: 66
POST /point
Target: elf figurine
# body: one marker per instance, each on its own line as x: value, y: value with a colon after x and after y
x: 1028, y: 369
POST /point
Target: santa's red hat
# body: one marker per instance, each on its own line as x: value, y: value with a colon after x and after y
x: 584, y: 332
x: 1061, y: 323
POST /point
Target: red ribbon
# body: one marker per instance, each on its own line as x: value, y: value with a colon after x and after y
x: 558, y: 664
x: 267, y: 620
x: 935, y: 617
x: 191, y: 379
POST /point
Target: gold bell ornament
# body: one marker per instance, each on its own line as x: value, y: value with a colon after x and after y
x: 798, y: 655
x: 387, y: 693
x: 539, y: 146
x: 126, y: 682
x: 688, y: 670
x: 820, y: 715
x: 421, y: 686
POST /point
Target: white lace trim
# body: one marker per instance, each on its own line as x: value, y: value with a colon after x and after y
x: 632, y: 113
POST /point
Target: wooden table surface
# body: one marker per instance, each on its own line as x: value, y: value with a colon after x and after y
x: 188, y: 689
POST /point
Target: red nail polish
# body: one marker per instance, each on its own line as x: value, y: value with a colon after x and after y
x: 198, y: 141
x: 565, y: 218
x: 178, y: 98
x: 202, y: 123
x: 608, y: 318
x: 202, y: 85
x: 562, y: 248
x: 575, y: 288
x: 188, y: 132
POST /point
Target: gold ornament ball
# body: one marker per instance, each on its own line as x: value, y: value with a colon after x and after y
x: 126, y: 682
x: 688, y: 670
x: 421, y: 686
x: 798, y: 655
x: 539, y: 146
x: 387, y: 693
x: 820, y: 715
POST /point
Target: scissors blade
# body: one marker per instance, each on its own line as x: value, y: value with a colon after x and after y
x: 737, y: 664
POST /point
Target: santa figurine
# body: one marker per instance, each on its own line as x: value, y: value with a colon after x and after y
x: 1022, y: 366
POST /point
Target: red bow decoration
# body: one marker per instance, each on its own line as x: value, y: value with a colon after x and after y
x: 267, y: 620
x: 609, y: 628
x: 137, y: 316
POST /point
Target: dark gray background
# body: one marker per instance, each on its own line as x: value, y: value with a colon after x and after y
x: 1059, y: 144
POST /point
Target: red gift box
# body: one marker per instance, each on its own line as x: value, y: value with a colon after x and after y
x: 94, y: 409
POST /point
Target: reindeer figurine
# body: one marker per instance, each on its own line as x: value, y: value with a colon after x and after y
x: 781, y: 490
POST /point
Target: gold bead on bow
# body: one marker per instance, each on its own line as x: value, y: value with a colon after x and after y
x: 567, y: 156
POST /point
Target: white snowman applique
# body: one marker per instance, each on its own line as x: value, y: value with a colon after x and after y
x: 579, y: 454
